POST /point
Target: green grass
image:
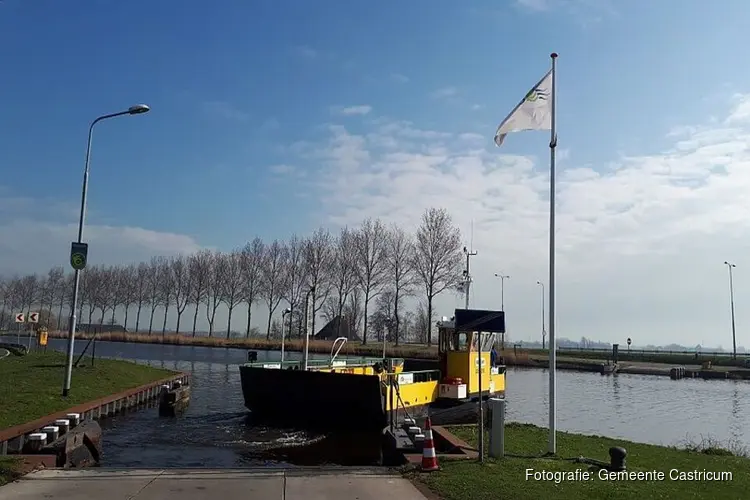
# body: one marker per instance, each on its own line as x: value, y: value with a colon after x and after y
x: 8, y: 470
x: 506, y: 478
x: 31, y: 385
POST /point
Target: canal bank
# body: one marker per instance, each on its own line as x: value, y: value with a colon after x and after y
x: 217, y: 431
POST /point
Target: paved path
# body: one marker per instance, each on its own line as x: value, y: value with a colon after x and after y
x: 227, y: 484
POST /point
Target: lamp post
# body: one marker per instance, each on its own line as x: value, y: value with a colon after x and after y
x: 283, y: 317
x: 544, y: 328
x: 133, y: 110
x: 502, y: 277
x: 731, y: 266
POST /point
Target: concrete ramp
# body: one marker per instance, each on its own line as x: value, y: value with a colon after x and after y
x: 227, y: 484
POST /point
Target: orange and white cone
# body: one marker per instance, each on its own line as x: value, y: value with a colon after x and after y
x: 429, y: 457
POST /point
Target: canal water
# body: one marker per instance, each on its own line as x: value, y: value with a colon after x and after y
x: 216, y: 431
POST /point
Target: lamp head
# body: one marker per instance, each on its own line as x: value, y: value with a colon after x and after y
x: 138, y: 109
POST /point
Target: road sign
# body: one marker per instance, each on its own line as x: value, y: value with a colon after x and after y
x: 34, y: 317
x: 629, y: 340
x: 78, y: 255
x: 20, y: 318
x: 43, y: 336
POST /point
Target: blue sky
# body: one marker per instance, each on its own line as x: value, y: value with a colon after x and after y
x: 249, y: 116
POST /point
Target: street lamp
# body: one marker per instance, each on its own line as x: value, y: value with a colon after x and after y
x: 731, y: 303
x: 502, y: 277
x: 132, y: 110
x: 283, y: 317
x: 544, y: 328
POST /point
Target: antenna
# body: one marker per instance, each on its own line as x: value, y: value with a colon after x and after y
x: 467, y: 275
x: 471, y: 242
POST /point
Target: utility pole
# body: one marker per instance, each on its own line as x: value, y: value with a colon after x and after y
x: 544, y: 328
x: 467, y: 274
x: 731, y: 303
x: 502, y: 277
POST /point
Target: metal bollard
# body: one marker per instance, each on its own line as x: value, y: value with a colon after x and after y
x: 74, y: 419
x: 63, y: 424
x: 36, y: 441
x: 52, y: 432
x: 497, y: 432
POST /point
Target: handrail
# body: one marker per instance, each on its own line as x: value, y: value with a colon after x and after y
x: 333, y: 356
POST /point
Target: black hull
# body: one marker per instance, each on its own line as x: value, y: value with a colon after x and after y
x: 313, y: 400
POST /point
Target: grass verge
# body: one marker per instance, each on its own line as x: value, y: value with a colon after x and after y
x: 8, y: 470
x: 261, y: 344
x: 509, y: 478
x: 32, y: 384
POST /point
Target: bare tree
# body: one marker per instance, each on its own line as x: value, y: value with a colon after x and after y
x: 214, y: 290
x: 273, y: 278
x: 400, y: 270
x: 28, y: 291
x: 437, y: 256
x: 154, y: 289
x: 370, y: 263
x: 128, y: 291
x: 199, y: 265
x: 343, y: 275
x: 5, y: 296
x: 142, y: 289
x: 62, y: 292
x: 319, y: 260
x: 166, y: 290
x: 252, y: 260
x: 91, y: 281
x: 352, y: 312
x: 296, y: 278
x: 232, y: 284
x: 179, y: 271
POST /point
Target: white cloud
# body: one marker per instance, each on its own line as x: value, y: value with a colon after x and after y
x: 362, y: 109
x: 640, y: 245
x: 444, y: 92
x: 399, y: 78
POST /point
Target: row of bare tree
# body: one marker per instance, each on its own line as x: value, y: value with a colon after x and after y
x: 345, y: 275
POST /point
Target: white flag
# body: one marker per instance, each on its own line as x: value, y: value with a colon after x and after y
x: 534, y: 112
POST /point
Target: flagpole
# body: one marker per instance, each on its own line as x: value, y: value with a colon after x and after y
x: 552, y: 444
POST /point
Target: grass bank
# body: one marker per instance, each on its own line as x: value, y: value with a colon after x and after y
x: 512, y: 477
x: 623, y: 355
x: 8, y: 470
x: 31, y: 385
x: 261, y: 344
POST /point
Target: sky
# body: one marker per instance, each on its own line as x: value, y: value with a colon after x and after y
x: 270, y: 118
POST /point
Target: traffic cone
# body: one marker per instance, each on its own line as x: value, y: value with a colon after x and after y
x: 429, y: 457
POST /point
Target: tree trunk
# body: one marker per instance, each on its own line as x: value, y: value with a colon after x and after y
x: 177, y: 325
x: 249, y: 317
x: 164, y: 325
x: 151, y: 319
x: 59, y: 316
x: 364, y: 331
x: 138, y: 317
x: 195, y: 317
x: 395, y: 315
x: 268, y: 330
x: 125, y: 323
x: 429, y: 321
x: 229, y: 321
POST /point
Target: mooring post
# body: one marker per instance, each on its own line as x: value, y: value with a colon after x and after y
x: 497, y: 432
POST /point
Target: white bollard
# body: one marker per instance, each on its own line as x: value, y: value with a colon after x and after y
x: 63, y: 424
x: 52, y: 432
x: 74, y: 419
x: 497, y: 431
x: 37, y: 440
x: 419, y: 442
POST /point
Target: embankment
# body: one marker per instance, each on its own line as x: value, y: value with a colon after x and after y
x: 415, y: 351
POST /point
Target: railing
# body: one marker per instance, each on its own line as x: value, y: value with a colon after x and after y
x: 623, y: 349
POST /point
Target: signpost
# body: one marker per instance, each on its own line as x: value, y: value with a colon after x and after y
x: 79, y: 253
x: 629, y: 341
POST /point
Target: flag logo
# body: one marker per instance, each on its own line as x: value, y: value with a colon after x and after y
x: 537, y: 94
